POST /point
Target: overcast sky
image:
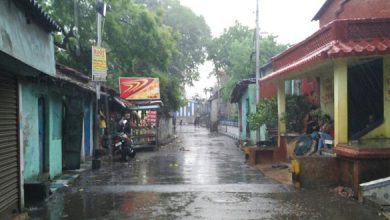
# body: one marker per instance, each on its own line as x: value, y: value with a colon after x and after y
x: 290, y: 20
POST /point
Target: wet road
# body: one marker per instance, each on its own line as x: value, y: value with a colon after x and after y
x: 200, y: 176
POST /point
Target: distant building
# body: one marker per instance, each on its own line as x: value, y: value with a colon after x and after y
x: 187, y: 113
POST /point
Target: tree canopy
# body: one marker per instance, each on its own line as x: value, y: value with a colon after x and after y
x: 233, y: 54
x: 147, y: 38
x: 194, y: 37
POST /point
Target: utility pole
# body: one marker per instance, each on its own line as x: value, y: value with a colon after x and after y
x: 101, y: 10
x: 257, y: 63
x: 257, y: 53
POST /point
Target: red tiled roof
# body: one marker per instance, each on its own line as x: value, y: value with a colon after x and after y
x: 341, y: 38
x: 359, y: 48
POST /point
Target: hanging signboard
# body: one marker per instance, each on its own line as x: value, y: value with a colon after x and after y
x: 99, y: 64
x: 136, y: 88
x: 151, y: 117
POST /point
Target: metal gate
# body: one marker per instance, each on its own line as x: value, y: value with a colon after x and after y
x: 9, y: 150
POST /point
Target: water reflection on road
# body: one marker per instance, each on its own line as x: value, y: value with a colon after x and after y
x: 200, y: 176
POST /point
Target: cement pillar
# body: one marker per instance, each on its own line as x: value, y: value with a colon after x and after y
x: 386, y: 88
x: 281, y: 107
x: 341, y: 102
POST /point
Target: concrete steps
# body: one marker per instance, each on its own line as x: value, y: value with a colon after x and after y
x: 377, y: 194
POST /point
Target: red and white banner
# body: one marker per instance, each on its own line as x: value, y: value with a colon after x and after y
x: 151, y: 116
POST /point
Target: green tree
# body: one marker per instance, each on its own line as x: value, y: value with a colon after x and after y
x: 137, y: 42
x: 78, y: 32
x: 233, y: 53
x: 266, y: 113
x: 194, y: 36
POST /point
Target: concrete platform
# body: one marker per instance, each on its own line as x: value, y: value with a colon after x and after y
x: 277, y: 172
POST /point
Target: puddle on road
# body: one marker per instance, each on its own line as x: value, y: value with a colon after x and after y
x: 219, y: 144
x: 227, y: 198
x: 199, y: 184
x: 315, y: 204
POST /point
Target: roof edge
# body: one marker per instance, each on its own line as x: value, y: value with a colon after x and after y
x: 37, y: 14
x: 322, y: 10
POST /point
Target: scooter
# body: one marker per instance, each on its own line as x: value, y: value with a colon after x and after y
x: 123, y: 145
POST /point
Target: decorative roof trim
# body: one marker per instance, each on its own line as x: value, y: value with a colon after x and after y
x: 340, y: 38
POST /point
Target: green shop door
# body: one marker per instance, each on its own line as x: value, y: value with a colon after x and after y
x: 72, y: 132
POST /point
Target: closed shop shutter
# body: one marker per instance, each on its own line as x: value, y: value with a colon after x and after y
x: 9, y: 150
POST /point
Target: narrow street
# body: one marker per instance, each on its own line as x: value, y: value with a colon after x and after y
x: 199, y: 176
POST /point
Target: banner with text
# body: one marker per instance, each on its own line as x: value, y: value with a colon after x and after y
x: 99, y: 64
x: 136, y: 88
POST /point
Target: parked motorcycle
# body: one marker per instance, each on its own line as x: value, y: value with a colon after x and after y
x: 123, y: 146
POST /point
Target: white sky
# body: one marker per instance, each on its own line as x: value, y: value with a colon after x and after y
x: 290, y: 20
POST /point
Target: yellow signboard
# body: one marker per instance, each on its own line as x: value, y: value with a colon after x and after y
x: 99, y: 64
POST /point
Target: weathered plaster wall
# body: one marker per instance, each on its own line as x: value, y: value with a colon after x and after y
x: 318, y: 172
x: 29, y: 127
x: 165, y: 130
x: 214, y: 115
x: 28, y: 43
x: 341, y: 9
x: 252, y: 105
x: 267, y: 90
x: 249, y: 95
x: 327, y: 94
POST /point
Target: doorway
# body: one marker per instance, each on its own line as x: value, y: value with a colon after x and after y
x: 247, y: 129
x: 365, y: 97
x: 43, y: 151
x: 87, y: 130
x: 72, y: 131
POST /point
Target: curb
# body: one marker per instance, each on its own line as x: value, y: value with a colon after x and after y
x: 69, y: 177
x: 229, y: 135
x: 63, y: 182
x: 282, y: 176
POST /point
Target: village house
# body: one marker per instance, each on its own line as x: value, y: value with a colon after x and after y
x: 46, y: 122
x: 244, y: 94
x: 26, y: 51
x: 350, y: 58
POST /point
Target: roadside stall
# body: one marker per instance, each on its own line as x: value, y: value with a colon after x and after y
x: 144, y: 123
x: 144, y: 96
